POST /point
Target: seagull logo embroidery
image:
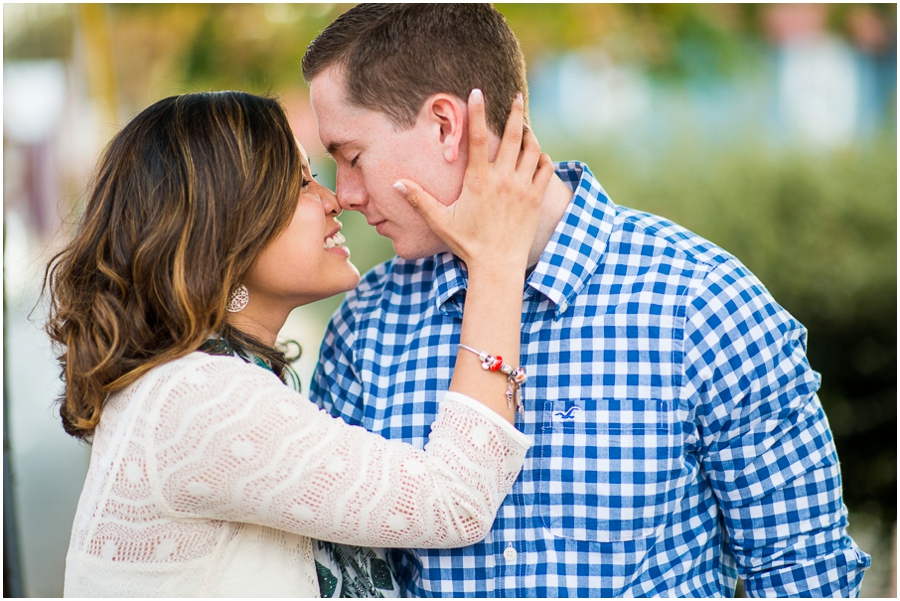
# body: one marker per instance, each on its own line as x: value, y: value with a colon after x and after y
x: 568, y: 414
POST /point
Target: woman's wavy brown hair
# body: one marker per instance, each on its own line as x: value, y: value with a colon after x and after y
x: 183, y: 200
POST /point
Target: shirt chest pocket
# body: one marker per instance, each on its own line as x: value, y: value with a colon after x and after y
x: 608, y: 468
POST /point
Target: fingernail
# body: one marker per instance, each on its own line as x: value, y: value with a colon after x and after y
x: 401, y: 188
x: 476, y: 95
x: 519, y: 98
x: 527, y: 127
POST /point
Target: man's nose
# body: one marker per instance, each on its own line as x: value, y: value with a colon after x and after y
x: 350, y: 191
x: 330, y: 202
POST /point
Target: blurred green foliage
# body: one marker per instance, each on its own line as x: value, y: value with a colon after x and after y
x: 37, y: 31
x: 654, y: 35
x: 672, y: 41
x: 258, y: 47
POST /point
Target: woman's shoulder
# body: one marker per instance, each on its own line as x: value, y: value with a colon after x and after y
x: 176, y: 387
x: 220, y: 368
x: 200, y: 373
x: 199, y: 361
x: 201, y: 391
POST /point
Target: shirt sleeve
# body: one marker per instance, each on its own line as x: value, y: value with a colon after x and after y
x: 765, y: 444
x: 335, y: 384
x: 231, y: 442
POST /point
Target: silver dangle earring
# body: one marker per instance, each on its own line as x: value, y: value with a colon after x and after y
x: 238, y: 299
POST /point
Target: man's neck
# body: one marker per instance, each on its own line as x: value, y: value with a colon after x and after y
x: 556, y: 201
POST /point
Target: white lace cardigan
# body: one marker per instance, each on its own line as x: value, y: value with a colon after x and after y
x: 208, y: 477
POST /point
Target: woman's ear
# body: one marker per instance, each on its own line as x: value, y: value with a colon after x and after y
x: 446, y: 114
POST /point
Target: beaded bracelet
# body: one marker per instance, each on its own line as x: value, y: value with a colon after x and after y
x: 515, y: 377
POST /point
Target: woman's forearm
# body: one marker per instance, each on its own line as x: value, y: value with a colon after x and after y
x: 491, y: 323
x: 229, y: 442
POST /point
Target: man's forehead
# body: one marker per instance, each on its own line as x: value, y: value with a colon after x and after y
x: 336, y: 130
x: 331, y: 109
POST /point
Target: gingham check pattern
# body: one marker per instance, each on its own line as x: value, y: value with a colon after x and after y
x: 679, y: 440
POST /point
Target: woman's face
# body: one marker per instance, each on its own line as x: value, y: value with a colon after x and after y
x: 307, y: 261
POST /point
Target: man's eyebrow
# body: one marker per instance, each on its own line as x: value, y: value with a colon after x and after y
x: 335, y: 146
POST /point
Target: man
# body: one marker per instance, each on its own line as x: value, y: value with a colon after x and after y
x: 679, y: 442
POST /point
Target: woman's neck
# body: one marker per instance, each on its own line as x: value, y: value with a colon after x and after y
x: 259, y: 323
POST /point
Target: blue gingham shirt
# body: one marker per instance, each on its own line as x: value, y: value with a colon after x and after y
x: 679, y: 441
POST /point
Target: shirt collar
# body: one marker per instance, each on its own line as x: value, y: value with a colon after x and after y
x: 579, y: 240
x: 569, y: 259
x: 450, y: 277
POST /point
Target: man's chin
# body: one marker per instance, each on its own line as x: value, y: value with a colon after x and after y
x: 413, y: 252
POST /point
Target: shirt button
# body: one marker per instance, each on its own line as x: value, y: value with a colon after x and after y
x: 510, y: 554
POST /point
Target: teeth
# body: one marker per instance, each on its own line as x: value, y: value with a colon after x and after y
x: 336, y: 240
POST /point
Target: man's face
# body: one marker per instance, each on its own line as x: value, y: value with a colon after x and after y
x: 372, y: 153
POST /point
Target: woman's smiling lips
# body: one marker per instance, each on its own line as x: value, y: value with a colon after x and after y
x: 335, y: 243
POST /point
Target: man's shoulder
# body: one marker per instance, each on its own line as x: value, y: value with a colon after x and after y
x: 714, y: 275
x: 705, y: 270
x: 637, y: 230
x: 633, y: 231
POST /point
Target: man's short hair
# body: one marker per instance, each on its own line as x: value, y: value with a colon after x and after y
x: 394, y: 56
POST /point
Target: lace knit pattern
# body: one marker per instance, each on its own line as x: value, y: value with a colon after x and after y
x: 208, y: 477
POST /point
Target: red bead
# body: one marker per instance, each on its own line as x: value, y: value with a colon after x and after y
x: 497, y: 363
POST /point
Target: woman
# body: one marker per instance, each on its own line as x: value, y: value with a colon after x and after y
x: 209, y: 476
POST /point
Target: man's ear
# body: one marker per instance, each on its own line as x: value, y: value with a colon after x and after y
x: 447, y: 120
